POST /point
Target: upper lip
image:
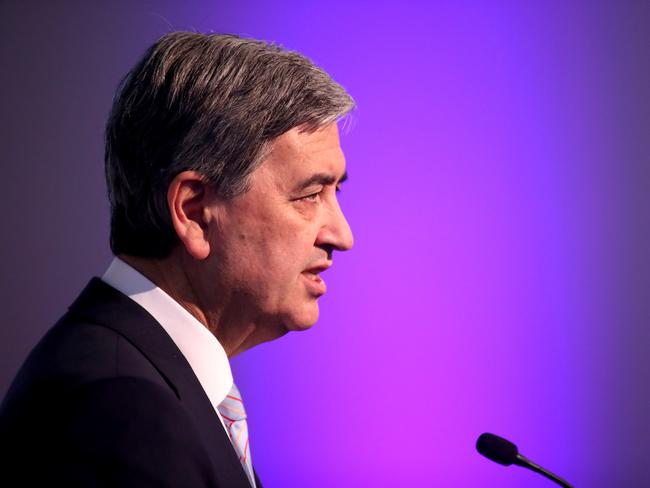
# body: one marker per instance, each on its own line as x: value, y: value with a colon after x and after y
x: 319, y: 267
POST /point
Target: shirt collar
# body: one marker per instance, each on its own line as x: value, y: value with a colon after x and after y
x: 200, y: 347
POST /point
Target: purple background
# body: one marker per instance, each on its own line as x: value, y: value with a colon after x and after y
x: 498, y: 193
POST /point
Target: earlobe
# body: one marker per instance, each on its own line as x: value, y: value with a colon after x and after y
x: 187, y: 200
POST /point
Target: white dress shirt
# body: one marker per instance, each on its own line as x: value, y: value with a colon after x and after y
x: 203, y: 352
x: 200, y: 347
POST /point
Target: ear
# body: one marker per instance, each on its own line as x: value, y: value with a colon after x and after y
x: 187, y: 198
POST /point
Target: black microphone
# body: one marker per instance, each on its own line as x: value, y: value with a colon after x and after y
x: 505, y: 452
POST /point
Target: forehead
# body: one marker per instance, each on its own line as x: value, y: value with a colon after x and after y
x: 296, y: 155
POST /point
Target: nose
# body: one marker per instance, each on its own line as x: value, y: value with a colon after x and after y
x: 336, y: 231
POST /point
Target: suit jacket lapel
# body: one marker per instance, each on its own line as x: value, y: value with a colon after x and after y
x: 102, y: 304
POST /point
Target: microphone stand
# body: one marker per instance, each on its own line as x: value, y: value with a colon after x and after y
x: 524, y: 462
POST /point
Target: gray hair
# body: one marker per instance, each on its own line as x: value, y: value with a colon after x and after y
x: 205, y: 102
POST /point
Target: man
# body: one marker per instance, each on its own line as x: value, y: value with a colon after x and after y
x: 223, y: 165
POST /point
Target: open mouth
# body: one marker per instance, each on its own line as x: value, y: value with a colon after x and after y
x: 313, y: 276
x: 315, y: 284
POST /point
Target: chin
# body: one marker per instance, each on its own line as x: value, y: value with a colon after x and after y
x: 302, y: 320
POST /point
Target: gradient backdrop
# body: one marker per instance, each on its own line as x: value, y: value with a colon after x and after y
x: 499, y: 173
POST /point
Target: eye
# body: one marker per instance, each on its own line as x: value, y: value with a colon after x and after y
x: 314, y: 197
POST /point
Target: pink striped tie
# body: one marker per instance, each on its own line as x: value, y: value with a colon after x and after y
x: 234, y: 416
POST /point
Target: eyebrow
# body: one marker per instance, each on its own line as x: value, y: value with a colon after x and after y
x: 322, y: 179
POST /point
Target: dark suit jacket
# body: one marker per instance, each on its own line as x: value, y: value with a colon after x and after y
x: 107, y: 399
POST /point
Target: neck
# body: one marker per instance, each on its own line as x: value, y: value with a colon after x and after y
x: 219, y: 313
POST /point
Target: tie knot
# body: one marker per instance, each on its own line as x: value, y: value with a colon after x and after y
x: 232, y: 407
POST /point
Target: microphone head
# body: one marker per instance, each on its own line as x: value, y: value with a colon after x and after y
x: 497, y: 449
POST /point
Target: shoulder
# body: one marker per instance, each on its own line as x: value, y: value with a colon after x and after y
x: 75, y: 352
x: 74, y: 355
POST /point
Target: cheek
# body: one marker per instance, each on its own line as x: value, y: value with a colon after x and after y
x: 265, y: 253
x: 267, y: 247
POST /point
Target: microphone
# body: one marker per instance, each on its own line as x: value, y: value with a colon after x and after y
x: 505, y: 452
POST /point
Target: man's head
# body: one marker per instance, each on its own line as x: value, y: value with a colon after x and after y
x: 208, y: 103
x: 224, y: 153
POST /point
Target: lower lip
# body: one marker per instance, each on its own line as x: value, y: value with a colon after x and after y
x: 315, y: 283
